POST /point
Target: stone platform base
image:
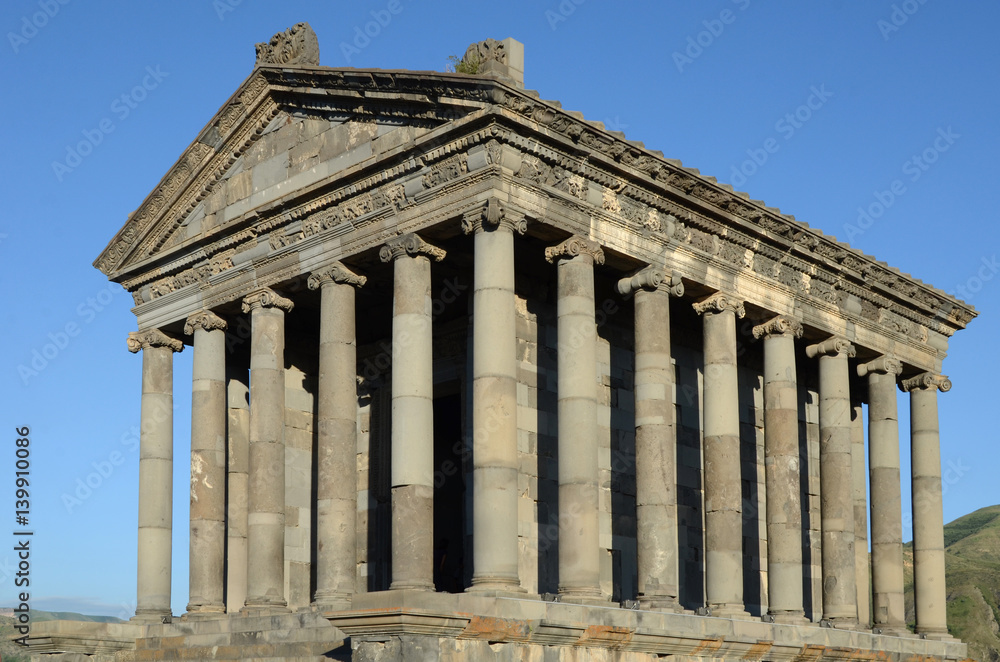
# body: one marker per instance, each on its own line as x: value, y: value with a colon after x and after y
x: 414, y: 625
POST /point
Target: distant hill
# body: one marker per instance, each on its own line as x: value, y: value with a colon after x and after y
x: 11, y: 652
x: 972, y: 570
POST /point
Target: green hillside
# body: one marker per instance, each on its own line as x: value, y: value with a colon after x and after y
x: 972, y: 568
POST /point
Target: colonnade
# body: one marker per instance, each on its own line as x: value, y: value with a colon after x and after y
x: 256, y: 566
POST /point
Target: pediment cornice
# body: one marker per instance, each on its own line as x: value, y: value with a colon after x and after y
x: 561, y: 150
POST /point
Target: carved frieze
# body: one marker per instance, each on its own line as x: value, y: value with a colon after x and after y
x: 900, y: 324
x: 296, y: 46
x: 449, y: 169
x: 197, y: 274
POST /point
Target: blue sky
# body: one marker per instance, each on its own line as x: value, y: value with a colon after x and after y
x: 828, y: 110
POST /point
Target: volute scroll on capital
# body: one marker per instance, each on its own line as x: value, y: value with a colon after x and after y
x: 926, y: 381
x: 266, y: 298
x: 205, y: 320
x: 883, y: 365
x: 574, y: 247
x: 720, y: 302
x: 412, y: 245
x: 782, y: 325
x: 335, y: 273
x: 140, y: 340
x: 494, y: 215
x: 651, y: 278
x: 832, y: 346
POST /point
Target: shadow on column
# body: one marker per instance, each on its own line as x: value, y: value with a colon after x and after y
x: 449, y: 495
x: 690, y: 511
x: 379, y: 504
x: 807, y: 386
x: 547, y: 439
x: 750, y: 362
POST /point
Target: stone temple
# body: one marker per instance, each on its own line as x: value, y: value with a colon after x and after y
x: 476, y: 378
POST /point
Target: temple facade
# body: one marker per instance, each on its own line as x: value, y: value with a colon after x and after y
x: 476, y: 378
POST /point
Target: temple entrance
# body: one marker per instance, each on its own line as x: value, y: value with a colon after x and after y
x: 449, y: 495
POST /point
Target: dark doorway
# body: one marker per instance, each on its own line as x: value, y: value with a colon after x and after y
x: 449, y: 495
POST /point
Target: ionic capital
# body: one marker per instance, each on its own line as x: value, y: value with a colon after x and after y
x: 266, y: 298
x: 926, y: 381
x: 573, y: 247
x: 409, y: 244
x: 651, y: 278
x: 493, y: 216
x: 833, y: 346
x: 139, y: 340
x: 883, y: 365
x: 720, y: 302
x: 778, y: 326
x: 335, y: 273
x: 205, y: 320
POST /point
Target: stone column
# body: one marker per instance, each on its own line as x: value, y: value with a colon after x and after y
x: 888, y: 611
x: 782, y: 470
x: 655, y: 439
x: 266, y: 520
x: 862, y: 566
x: 336, y: 436
x: 579, y: 544
x: 412, y: 412
x: 840, y: 604
x: 928, y: 519
x: 208, y: 464
x: 722, y: 473
x: 237, y: 510
x: 494, y: 399
x: 156, y: 472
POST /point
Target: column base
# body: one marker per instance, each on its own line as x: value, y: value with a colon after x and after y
x: 494, y: 585
x: 155, y: 616
x: 787, y: 618
x: 200, y: 612
x: 892, y: 631
x: 660, y: 603
x: 588, y: 596
x: 412, y: 586
x: 841, y: 623
x: 332, y: 601
x: 935, y: 635
x: 733, y: 611
x: 264, y: 607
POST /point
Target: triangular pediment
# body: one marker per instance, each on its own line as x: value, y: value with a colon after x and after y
x: 280, y: 125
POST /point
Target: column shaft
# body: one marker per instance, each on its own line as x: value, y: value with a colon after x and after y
x: 208, y: 464
x: 238, y: 461
x: 723, y: 475
x: 412, y: 413
x: 579, y: 544
x: 655, y: 441
x: 782, y: 470
x: 156, y: 473
x: 840, y: 605
x: 888, y: 610
x: 266, y: 520
x: 928, y: 520
x: 862, y: 567
x: 494, y: 410
x: 337, y: 437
